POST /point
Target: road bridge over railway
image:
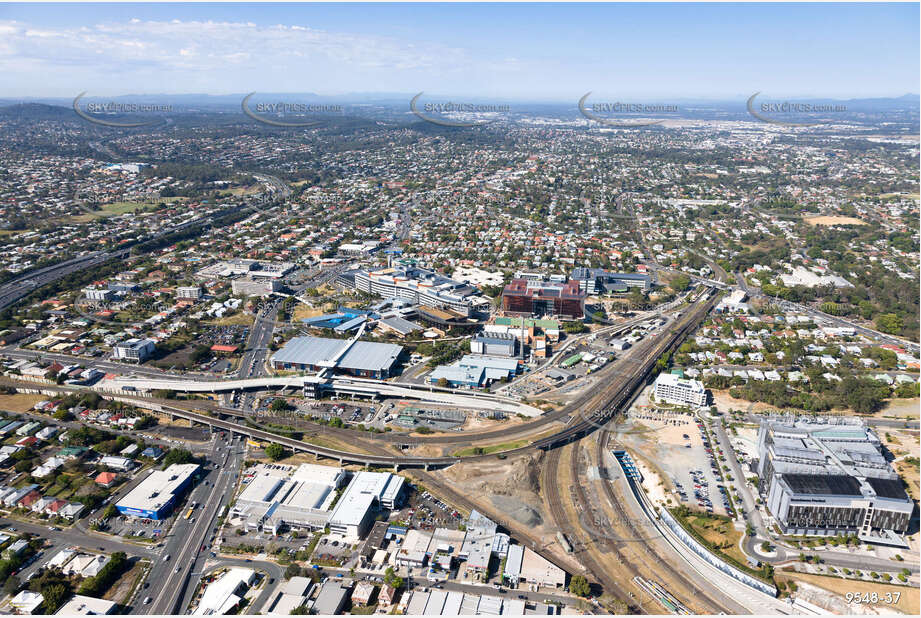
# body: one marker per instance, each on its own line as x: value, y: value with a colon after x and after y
x: 343, y: 386
x: 595, y: 413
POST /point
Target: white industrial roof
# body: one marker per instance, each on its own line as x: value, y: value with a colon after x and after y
x: 361, y: 356
x: 360, y: 495
x: 158, y: 488
x: 81, y: 605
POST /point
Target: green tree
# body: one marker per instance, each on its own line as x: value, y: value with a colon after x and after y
x: 680, y: 283
x: 54, y: 596
x: 275, y: 452
x: 11, y: 585
x: 177, y: 456
x: 579, y: 586
x: 890, y: 323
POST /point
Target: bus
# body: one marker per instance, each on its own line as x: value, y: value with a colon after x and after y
x: 188, y: 513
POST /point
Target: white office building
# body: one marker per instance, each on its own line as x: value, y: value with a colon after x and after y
x: 673, y: 389
x: 419, y: 286
x: 135, y: 350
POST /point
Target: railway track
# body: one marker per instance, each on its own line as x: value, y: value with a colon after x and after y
x: 604, y: 545
x: 661, y: 566
x: 605, y: 407
x: 611, y: 404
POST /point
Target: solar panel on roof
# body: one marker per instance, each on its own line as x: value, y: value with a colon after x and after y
x: 888, y: 488
x: 827, y: 485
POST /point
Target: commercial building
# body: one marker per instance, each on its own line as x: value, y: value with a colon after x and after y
x: 223, y: 595
x: 435, y: 602
x: 98, y: 294
x: 670, y: 388
x: 331, y: 599
x: 412, y: 551
x: 475, y: 370
x: 734, y: 303
x: 135, y: 350
x: 524, y: 565
x: 416, y: 285
x: 366, y: 493
x: 525, y: 297
x: 600, y: 281
x: 81, y: 605
x: 494, y: 344
x: 155, y: 496
x: 829, y: 477
x: 247, y: 286
x: 363, y: 249
x: 273, y: 500
x: 293, y: 594
x: 361, y: 358
x: 482, y: 541
x: 257, y: 269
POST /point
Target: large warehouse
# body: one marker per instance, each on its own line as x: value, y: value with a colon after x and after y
x: 366, y: 359
x: 823, y: 478
x: 156, y: 495
x: 367, y: 492
x: 276, y: 497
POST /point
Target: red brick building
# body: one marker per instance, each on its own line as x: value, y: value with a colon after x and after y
x: 523, y: 297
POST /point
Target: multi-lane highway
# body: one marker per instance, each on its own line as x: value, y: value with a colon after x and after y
x: 22, y: 286
x: 189, y: 540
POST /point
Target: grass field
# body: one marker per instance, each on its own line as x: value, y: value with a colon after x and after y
x: 833, y: 220
x: 121, y: 208
x: 908, y: 600
x: 121, y: 590
x: 303, y: 311
x: 19, y: 402
x: 488, y: 450
x: 719, y: 531
x: 237, y: 319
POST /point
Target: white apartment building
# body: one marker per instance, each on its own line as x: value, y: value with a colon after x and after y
x: 192, y: 292
x: 670, y: 388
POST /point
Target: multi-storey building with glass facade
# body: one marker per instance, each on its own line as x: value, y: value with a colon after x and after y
x: 830, y: 477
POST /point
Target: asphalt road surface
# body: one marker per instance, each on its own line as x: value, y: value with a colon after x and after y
x: 170, y: 578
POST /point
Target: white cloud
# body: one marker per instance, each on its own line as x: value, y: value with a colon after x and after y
x: 129, y: 53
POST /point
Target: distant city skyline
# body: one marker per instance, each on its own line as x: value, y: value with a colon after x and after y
x: 534, y: 52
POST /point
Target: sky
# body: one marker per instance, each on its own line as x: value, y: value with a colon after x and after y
x: 549, y: 52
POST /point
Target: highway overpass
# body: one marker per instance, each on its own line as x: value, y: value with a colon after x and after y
x: 343, y: 457
x: 342, y: 386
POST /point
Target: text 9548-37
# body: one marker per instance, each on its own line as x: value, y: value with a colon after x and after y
x: 872, y: 598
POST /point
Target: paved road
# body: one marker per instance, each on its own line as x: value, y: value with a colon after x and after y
x: 22, y: 286
x: 72, y: 536
x: 169, y: 579
x: 252, y: 364
x: 750, y: 507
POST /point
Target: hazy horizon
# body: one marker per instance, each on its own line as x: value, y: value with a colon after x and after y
x: 522, y: 52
